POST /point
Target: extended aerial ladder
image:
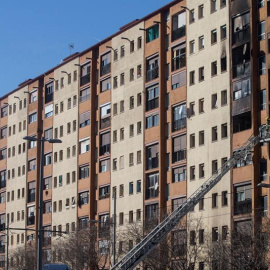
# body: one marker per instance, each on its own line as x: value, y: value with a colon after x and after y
x: 136, y: 255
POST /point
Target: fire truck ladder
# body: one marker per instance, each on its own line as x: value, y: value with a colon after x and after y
x: 136, y: 255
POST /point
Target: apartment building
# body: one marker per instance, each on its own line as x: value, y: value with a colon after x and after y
x: 148, y: 114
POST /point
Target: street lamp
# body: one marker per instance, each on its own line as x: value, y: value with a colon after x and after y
x: 40, y: 200
x: 263, y: 185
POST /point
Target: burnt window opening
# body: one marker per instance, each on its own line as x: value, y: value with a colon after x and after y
x: 241, y: 60
x: 241, y: 122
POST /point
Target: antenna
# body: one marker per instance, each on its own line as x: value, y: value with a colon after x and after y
x: 71, y: 47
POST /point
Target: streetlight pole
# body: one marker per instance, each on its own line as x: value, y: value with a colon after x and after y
x: 114, y: 225
x: 40, y: 199
x: 7, y: 243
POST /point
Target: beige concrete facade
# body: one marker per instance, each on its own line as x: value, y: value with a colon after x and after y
x: 17, y: 189
x: 64, y: 193
x: 209, y: 112
x: 128, y: 127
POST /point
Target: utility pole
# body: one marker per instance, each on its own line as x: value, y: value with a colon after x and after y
x: 7, y: 243
x: 114, y: 225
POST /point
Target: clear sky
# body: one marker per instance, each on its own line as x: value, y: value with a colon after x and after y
x: 34, y: 34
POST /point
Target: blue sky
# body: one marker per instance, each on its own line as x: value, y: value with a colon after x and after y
x: 35, y: 34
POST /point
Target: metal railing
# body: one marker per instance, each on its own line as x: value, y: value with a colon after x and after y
x: 105, y: 122
x: 85, y: 79
x: 178, y: 33
x: 178, y: 62
x: 31, y: 197
x: 179, y: 124
x: 105, y: 69
x: 152, y: 104
x: 243, y: 207
x: 84, y: 97
x: 104, y: 149
x: 242, y: 69
x: 152, y: 163
x: 179, y: 155
x: 241, y: 35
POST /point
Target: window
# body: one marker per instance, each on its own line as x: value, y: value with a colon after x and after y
x: 85, y: 74
x: 201, y: 42
x: 201, y: 204
x: 214, y: 200
x: 139, y: 186
x: 3, y: 153
x: 130, y: 217
x: 179, y: 174
x: 48, y: 111
x: 214, y: 36
x: 192, y: 77
x: 33, y: 96
x: 201, y: 12
x: 115, y: 55
x: 224, y: 132
x: 262, y: 100
x: 214, y: 134
x: 139, y: 43
x: 84, y: 146
x: 214, y: 68
x: 84, y: 94
x: 75, y: 75
x: 152, y: 33
x: 243, y: 201
x: 121, y: 162
x: 139, y: 157
x: 214, y: 101
x: 122, y: 79
x: 105, y: 64
x: 104, y: 192
x: 122, y: 134
x: 223, y: 32
x: 115, y: 82
x: 115, y: 164
x: 224, y: 198
x: 213, y: 6
x: 32, y: 118
x: 47, y: 183
x: 261, y: 30
x: 178, y: 25
x: 152, y: 156
x: 4, y: 111
x: 214, y: 234
x: 191, y: 16
x: 179, y: 117
x: 122, y: 51
x: 131, y: 102
x: 130, y: 188
x: 139, y: 127
x: 152, y: 68
x: 121, y: 191
x: 32, y: 165
x: 48, y: 92
x: 84, y: 172
x: 131, y: 74
x: 131, y: 159
x: 105, y: 113
x: 121, y: 218
x: 84, y: 119
x: 192, y: 239
x: 201, y: 74
x: 178, y: 80
x: 201, y: 138
x: 139, y: 71
x: 47, y: 159
x: 177, y: 202
x: 222, y: 3
x: 131, y: 130
x: 192, y: 46
x: 224, y: 232
x: 179, y: 57
x: 262, y: 64
x: 201, y: 105
x: 263, y: 170
x: 105, y: 85
x: 62, y: 82
x: 83, y: 198
x: 192, y: 140
x: 223, y: 63
x: 201, y: 170
x: 152, y: 185
x: 201, y: 236
x: 223, y: 97
x: 152, y: 98
x: 138, y: 214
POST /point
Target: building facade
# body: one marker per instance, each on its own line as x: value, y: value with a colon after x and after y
x: 147, y: 114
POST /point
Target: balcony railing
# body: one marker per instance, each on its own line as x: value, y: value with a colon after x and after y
x: 178, y: 62
x: 152, y: 104
x: 242, y: 69
x: 84, y: 97
x: 2, y: 226
x: 179, y: 155
x: 104, y: 196
x: 178, y: 33
x: 2, y: 249
x: 85, y: 79
x: 31, y: 197
x: 105, y: 122
x: 31, y: 220
x: 242, y: 35
x: 48, y: 97
x: 3, y: 184
x: 152, y: 74
x: 104, y: 149
x: 47, y: 241
x: 243, y: 207
x: 105, y: 69
x: 152, y: 163
x: 152, y: 193
x: 179, y: 124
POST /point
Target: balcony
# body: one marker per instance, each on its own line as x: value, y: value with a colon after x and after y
x: 85, y: 79
x: 178, y: 33
x: 31, y: 220
x: 152, y: 163
x: 105, y: 69
x: 152, y: 104
x: 105, y: 122
x: 179, y: 155
x: 242, y: 35
x: 2, y: 226
x: 242, y: 69
x: 179, y: 124
x: 31, y: 197
x: 152, y: 74
x: 104, y: 149
x: 178, y: 62
x: 152, y: 193
x: 243, y: 207
x: 3, y: 184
